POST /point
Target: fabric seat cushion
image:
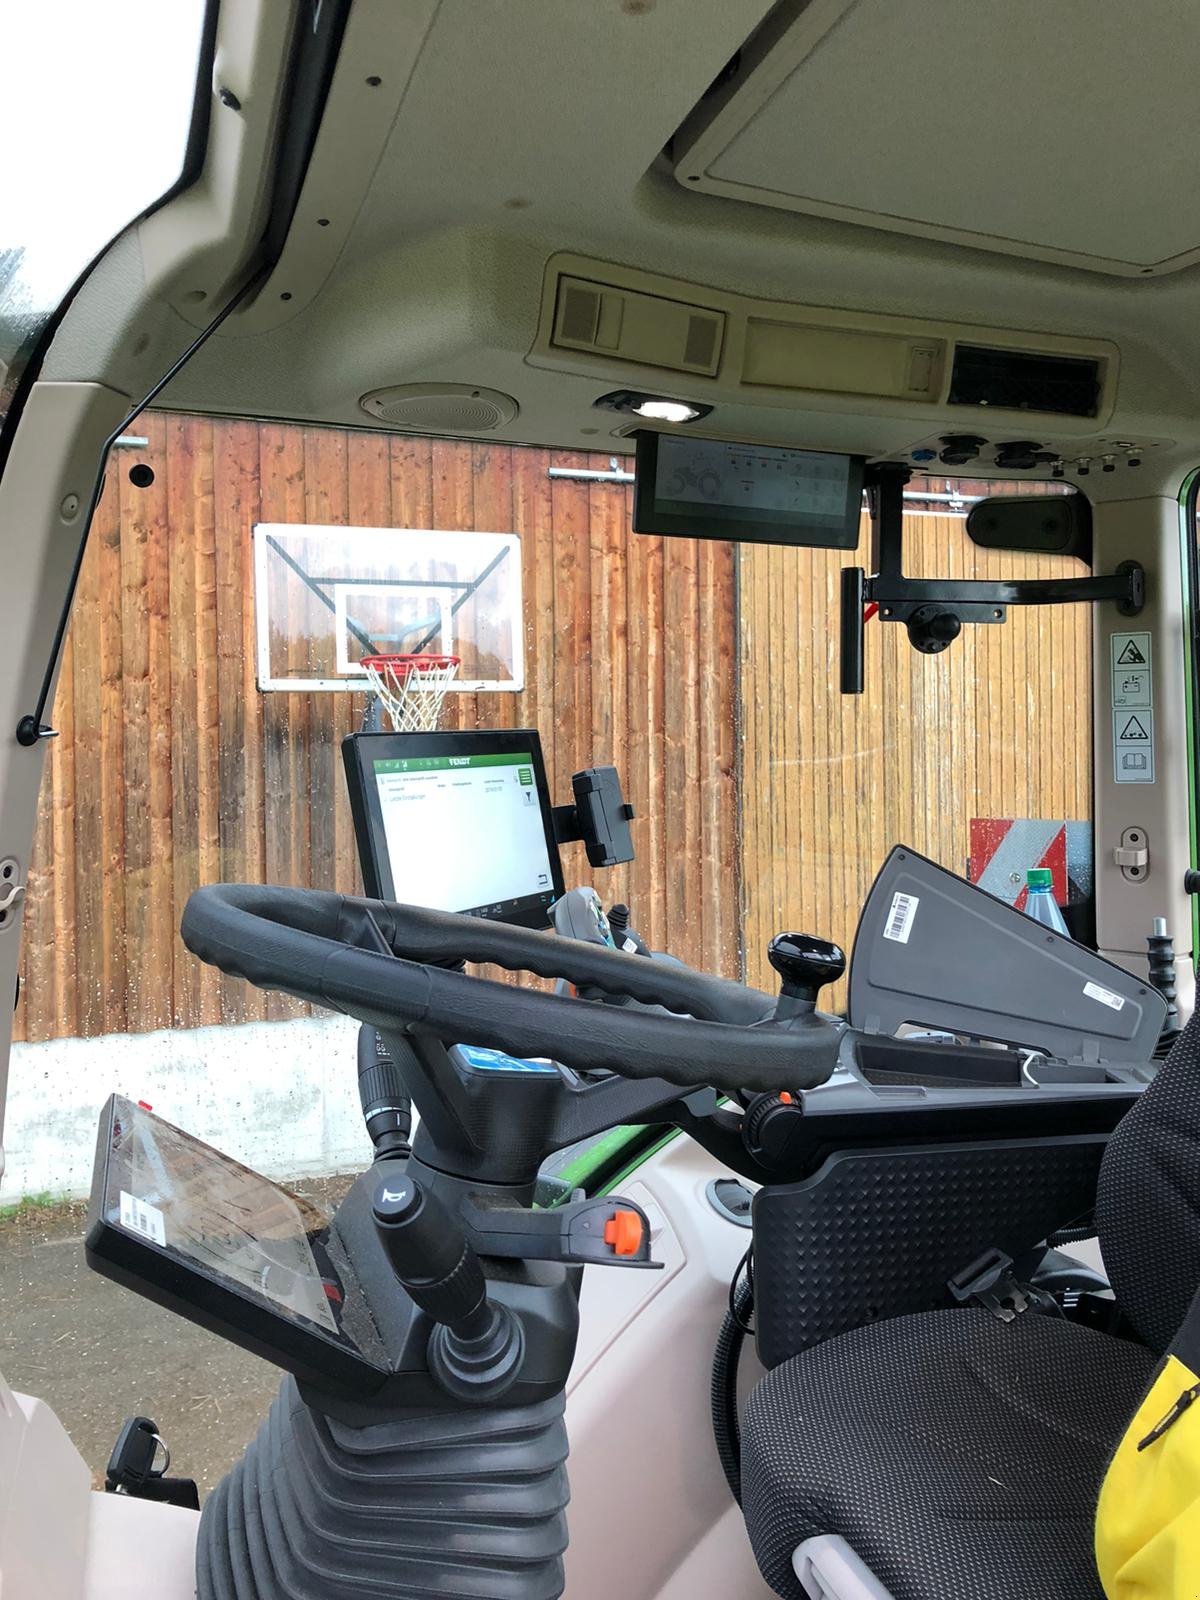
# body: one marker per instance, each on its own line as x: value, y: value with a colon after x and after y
x: 1148, y: 1199
x: 957, y: 1454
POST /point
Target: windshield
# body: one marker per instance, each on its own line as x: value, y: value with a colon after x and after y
x: 236, y: 573
x: 97, y: 108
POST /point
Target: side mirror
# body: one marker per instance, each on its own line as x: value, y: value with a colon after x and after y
x: 1045, y: 524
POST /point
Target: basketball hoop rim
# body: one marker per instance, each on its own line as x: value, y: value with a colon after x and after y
x: 401, y: 665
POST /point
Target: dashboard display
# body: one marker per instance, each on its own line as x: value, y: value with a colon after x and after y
x: 199, y: 1232
x: 763, y: 494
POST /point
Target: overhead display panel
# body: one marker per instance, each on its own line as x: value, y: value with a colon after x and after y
x: 761, y: 494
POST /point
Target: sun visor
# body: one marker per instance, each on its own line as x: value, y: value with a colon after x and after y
x: 934, y: 950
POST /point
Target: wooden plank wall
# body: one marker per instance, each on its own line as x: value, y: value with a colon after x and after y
x: 997, y: 726
x: 172, y: 769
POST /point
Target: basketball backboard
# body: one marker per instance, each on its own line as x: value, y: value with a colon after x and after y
x: 326, y: 596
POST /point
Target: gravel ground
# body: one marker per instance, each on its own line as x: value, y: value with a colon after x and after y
x: 98, y: 1353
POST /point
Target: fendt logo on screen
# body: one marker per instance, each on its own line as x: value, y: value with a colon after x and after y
x: 460, y: 761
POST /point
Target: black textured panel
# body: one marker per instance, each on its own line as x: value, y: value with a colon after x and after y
x: 469, y: 1503
x: 1020, y: 380
x: 959, y: 1455
x: 1148, y: 1205
x: 876, y: 1233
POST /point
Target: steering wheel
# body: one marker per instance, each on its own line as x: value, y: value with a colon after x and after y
x: 387, y: 964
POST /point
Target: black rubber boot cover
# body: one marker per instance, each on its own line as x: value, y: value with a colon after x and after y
x: 469, y: 1504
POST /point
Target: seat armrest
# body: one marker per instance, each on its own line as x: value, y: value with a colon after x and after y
x: 828, y: 1569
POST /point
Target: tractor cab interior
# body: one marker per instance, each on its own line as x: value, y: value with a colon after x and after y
x: 774, y: 1026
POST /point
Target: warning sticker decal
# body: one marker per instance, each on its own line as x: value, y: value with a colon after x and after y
x: 1131, y: 687
x: 1132, y: 707
x: 1133, y: 746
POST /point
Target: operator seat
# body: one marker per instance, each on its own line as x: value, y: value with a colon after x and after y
x: 961, y: 1455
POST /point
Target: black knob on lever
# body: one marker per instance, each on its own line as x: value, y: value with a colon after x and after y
x: 476, y: 1347
x: 806, y: 965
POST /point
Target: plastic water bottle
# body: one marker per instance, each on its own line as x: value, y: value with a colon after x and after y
x: 1040, y: 903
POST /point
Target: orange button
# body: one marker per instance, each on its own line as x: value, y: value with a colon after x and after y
x: 785, y: 1098
x: 623, y: 1231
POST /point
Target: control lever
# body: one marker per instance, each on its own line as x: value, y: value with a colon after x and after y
x: 773, y: 1122
x: 608, y: 1232
x: 805, y: 965
x: 623, y: 935
x: 476, y: 1346
x: 383, y: 1095
x: 578, y: 914
x: 1160, y: 948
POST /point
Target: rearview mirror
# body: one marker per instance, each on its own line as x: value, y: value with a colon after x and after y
x: 1047, y: 524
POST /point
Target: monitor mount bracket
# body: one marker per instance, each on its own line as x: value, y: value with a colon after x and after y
x: 598, y: 818
x: 934, y: 609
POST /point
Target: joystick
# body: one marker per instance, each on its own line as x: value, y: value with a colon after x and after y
x: 773, y: 1123
x: 476, y: 1346
x: 805, y: 965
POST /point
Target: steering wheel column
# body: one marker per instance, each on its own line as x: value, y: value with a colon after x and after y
x: 471, y: 1293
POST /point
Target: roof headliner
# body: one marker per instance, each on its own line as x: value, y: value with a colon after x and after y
x: 503, y: 134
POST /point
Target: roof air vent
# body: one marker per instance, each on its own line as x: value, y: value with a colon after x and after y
x: 1023, y: 380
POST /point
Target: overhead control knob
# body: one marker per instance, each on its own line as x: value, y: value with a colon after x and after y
x: 959, y: 448
x: 806, y: 965
x: 1021, y: 455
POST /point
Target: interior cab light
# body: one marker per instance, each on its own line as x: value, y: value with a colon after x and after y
x: 653, y: 407
x: 666, y: 411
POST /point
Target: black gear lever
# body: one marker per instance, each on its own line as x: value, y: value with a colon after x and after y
x: 805, y: 965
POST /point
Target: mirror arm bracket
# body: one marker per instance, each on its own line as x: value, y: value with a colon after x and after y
x: 898, y: 598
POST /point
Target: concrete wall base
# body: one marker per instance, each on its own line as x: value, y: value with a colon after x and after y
x: 280, y: 1096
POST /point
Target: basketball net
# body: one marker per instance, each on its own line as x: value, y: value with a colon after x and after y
x: 411, y: 688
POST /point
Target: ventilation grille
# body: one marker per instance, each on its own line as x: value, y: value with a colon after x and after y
x: 580, y: 315
x: 440, y: 408
x: 700, y: 349
x: 1016, y: 380
x: 648, y: 329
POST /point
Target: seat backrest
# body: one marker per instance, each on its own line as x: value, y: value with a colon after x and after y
x: 1148, y: 1197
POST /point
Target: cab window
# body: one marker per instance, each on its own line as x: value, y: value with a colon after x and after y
x: 979, y: 757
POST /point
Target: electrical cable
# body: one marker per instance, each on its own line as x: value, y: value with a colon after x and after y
x: 31, y: 728
x: 726, y: 1357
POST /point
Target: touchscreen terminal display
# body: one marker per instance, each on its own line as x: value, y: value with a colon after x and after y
x: 759, y: 494
x: 456, y: 821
